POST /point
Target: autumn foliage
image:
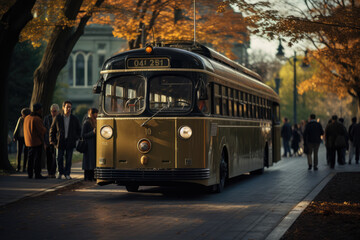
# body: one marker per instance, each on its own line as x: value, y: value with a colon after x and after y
x: 145, y: 21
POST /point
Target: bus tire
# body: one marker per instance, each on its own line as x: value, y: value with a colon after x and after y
x: 266, y: 156
x: 223, y: 173
x: 132, y: 187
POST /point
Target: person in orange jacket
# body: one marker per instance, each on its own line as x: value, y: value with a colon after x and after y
x: 34, y: 131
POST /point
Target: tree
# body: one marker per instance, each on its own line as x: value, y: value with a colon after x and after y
x: 265, y: 65
x: 24, y: 61
x: 66, y: 32
x: 14, y: 16
x: 333, y: 29
x: 144, y: 21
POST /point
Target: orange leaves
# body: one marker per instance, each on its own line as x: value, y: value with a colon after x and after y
x: 154, y: 20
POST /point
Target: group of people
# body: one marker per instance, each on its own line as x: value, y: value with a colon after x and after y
x: 337, y: 140
x: 57, y: 134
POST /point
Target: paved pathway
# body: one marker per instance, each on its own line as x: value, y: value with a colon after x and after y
x: 252, y: 207
x: 18, y: 186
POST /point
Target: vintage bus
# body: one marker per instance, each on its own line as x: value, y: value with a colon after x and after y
x: 182, y: 113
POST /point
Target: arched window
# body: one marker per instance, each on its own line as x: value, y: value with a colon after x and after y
x: 89, y: 70
x: 80, y: 70
x: 80, y: 66
x: 71, y: 71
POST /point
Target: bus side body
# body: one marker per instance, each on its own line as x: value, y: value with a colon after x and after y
x: 249, y: 144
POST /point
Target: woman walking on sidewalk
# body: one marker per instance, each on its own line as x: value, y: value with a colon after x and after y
x: 19, y: 137
x: 89, y: 135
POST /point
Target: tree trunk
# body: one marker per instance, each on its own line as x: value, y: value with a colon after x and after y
x: 12, y: 22
x: 58, y: 50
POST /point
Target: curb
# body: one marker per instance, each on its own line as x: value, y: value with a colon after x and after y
x: 291, y: 217
x: 46, y: 191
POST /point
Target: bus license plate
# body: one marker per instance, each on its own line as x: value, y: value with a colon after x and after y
x: 148, y: 63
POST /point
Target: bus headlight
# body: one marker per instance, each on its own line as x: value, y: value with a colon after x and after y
x: 185, y: 132
x: 106, y: 132
x: 144, y: 145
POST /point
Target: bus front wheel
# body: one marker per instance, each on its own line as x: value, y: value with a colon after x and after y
x: 223, y: 172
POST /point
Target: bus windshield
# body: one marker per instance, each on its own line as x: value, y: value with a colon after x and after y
x: 125, y: 95
x: 170, y: 93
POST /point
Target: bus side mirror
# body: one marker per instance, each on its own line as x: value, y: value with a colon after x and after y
x: 97, y: 86
x: 202, y: 94
x: 96, y: 89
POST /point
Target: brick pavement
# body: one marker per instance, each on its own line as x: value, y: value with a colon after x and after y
x: 18, y: 186
x: 252, y: 207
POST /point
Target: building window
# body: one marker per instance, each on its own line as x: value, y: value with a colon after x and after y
x: 89, y: 71
x: 80, y: 69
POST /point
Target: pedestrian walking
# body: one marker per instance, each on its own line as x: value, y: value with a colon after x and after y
x: 286, y: 133
x: 355, y: 133
x: 351, y: 140
x: 50, y: 148
x: 19, y: 137
x: 312, y: 139
x: 334, y: 139
x: 88, y: 133
x: 295, y: 140
x: 343, y: 150
x: 34, y: 131
x: 64, y: 132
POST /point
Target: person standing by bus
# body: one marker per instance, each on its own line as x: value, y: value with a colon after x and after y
x: 286, y: 133
x: 64, y: 132
x: 49, y: 148
x: 343, y: 150
x: 312, y: 139
x: 295, y: 140
x: 19, y: 137
x: 333, y: 131
x: 355, y: 133
x: 88, y: 133
x: 34, y: 131
x: 351, y: 140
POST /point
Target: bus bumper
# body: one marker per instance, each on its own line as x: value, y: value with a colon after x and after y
x: 144, y: 175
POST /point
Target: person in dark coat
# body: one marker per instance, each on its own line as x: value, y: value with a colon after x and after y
x: 65, y: 130
x: 49, y: 148
x: 351, y: 140
x: 34, y: 132
x: 355, y: 134
x: 286, y: 133
x: 19, y: 137
x: 332, y: 131
x: 89, y: 134
x: 295, y: 139
x: 312, y: 139
x: 343, y: 150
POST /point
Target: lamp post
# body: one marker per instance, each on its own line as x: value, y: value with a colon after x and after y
x: 281, y: 55
x: 277, y: 83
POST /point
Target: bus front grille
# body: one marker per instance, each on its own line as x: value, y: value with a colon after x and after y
x: 152, y: 175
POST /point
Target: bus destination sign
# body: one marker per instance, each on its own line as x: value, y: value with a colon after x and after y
x: 148, y: 62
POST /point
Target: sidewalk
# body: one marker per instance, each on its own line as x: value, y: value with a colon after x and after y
x: 18, y: 186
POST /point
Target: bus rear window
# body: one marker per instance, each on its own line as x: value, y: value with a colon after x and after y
x: 125, y: 95
x: 172, y: 93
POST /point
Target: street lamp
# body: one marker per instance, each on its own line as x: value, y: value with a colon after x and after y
x: 277, y: 83
x: 281, y: 55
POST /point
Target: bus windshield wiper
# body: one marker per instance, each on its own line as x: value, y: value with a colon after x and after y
x: 149, y: 119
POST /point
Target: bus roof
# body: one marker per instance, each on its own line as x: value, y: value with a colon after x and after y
x: 190, y: 55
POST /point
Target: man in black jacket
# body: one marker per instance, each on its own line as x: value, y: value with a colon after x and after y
x: 64, y: 132
x: 286, y: 134
x: 312, y: 139
x: 351, y: 142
